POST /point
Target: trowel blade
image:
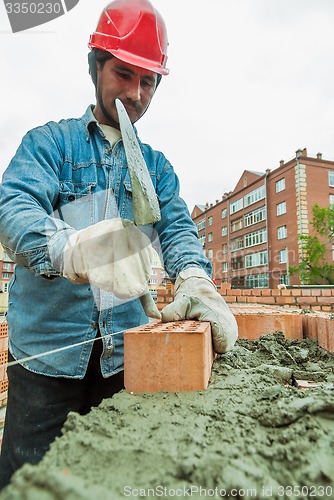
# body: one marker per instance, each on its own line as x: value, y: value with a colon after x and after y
x: 146, y: 208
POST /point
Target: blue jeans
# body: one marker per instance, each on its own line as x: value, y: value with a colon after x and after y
x: 38, y: 406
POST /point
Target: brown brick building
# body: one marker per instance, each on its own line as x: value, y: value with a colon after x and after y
x: 251, y: 234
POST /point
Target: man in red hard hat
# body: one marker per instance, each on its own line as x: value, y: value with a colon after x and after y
x: 67, y: 219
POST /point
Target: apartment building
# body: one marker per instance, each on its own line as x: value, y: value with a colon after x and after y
x: 6, y: 270
x: 251, y: 234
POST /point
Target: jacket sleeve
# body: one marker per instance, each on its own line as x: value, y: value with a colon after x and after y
x: 30, y: 232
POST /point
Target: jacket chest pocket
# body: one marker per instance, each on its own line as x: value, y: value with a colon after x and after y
x: 76, y: 204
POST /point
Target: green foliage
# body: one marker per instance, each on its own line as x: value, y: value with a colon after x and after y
x: 313, y: 268
x: 323, y: 220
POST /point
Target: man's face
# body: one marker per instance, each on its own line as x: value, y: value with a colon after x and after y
x: 134, y: 86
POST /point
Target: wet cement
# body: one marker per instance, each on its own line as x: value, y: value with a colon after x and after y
x: 252, y: 434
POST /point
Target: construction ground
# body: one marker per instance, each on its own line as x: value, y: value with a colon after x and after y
x: 263, y: 427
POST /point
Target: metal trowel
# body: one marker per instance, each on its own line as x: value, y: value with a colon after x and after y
x: 146, y: 208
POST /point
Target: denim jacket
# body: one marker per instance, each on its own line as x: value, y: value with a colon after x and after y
x: 64, y: 177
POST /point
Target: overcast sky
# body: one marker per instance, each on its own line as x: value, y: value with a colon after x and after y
x: 250, y: 82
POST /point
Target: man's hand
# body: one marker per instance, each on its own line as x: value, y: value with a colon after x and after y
x: 113, y: 255
x: 196, y: 297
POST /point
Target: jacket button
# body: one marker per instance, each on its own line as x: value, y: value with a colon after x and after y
x: 71, y: 197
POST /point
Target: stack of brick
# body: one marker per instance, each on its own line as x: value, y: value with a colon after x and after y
x: 298, y: 313
x: 3, y: 361
x: 313, y: 298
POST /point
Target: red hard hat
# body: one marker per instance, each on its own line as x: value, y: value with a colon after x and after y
x: 134, y: 32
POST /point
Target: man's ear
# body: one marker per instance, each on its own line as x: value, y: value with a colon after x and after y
x: 92, y: 66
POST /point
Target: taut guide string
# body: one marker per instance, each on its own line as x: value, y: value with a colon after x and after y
x: 59, y: 349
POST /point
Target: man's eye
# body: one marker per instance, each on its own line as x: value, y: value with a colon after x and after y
x: 147, y: 83
x: 125, y: 76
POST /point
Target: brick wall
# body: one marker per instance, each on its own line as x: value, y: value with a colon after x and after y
x: 3, y: 360
x: 315, y: 299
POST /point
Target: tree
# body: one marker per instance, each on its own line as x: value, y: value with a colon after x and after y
x: 314, y: 268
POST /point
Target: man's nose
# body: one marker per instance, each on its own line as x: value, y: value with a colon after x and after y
x: 134, y: 89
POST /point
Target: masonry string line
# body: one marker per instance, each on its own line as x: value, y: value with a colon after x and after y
x: 59, y: 349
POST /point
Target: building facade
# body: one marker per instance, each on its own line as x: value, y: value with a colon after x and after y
x: 6, y: 270
x: 251, y: 234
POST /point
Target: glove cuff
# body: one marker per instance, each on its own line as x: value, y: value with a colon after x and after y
x: 192, y: 272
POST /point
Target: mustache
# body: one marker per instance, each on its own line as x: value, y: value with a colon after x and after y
x: 133, y: 105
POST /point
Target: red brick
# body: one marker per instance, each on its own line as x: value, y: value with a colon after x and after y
x: 230, y: 299
x: 3, y: 329
x: 252, y: 326
x: 285, y: 300
x: 266, y: 292
x: 262, y: 300
x: 306, y: 300
x: 246, y: 291
x: 322, y: 332
x: 326, y: 308
x: 330, y: 341
x: 256, y: 292
x: 171, y: 357
x: 305, y: 293
x: 326, y: 300
x: 326, y: 293
x: 3, y: 385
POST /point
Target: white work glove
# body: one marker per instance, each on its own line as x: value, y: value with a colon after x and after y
x: 113, y: 255
x: 196, y: 297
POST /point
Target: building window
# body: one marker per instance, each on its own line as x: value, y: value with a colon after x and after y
x: 224, y: 267
x: 224, y: 213
x: 237, y: 263
x: 238, y: 282
x: 255, y: 238
x: 281, y: 208
x: 282, y: 232
x: 255, y: 216
x: 210, y: 221
x: 224, y: 231
x: 5, y: 287
x: 224, y: 249
x: 210, y: 253
x: 280, y: 185
x: 284, y: 279
x: 256, y: 259
x: 5, y: 276
x: 237, y: 244
x: 331, y: 199
x: 201, y: 224
x: 153, y: 281
x: 257, y: 281
x: 6, y: 266
x: 283, y: 256
x: 236, y: 206
x: 331, y: 178
x: 202, y: 239
x: 254, y: 196
x: 236, y: 225
x: 210, y: 237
